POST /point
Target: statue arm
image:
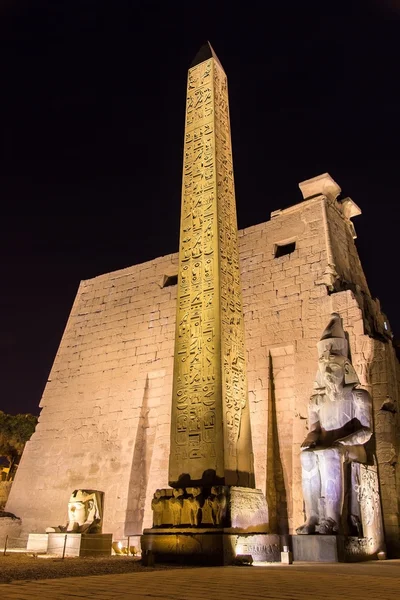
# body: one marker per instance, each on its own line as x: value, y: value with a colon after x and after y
x: 363, y: 414
x: 314, y: 426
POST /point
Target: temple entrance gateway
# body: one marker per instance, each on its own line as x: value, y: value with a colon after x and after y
x: 181, y: 386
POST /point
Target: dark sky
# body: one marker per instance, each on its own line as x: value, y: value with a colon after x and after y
x: 92, y: 98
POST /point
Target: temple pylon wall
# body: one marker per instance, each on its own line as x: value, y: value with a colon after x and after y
x: 106, y: 409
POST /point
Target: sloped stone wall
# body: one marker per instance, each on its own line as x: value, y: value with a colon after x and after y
x: 105, y: 420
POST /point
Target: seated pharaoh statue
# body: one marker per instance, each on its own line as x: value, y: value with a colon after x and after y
x: 340, y: 427
x: 85, y: 513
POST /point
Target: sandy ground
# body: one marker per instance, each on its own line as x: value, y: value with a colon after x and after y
x: 15, y: 566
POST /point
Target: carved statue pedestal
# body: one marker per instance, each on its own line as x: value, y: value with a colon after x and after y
x: 209, y: 546
x: 334, y: 548
x: 210, y: 526
x: 76, y: 544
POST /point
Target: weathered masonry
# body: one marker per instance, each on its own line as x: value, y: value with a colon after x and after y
x: 105, y: 419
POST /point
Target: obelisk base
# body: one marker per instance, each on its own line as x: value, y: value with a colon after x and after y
x: 209, y: 546
x: 210, y: 525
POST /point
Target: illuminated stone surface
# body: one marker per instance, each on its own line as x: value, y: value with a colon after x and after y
x: 210, y: 422
x: 70, y: 544
x: 211, y: 458
x: 106, y: 409
x: 210, y: 546
x: 339, y: 476
x: 85, y: 513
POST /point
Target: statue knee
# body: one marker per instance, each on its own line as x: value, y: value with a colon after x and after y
x: 308, y: 460
x: 333, y: 454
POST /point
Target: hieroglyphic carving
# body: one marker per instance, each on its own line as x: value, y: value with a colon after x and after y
x: 234, y: 383
x: 196, y: 373
x: 370, y: 505
x: 209, y: 389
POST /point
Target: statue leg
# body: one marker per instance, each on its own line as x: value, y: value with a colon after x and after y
x: 331, y: 469
x: 311, y: 483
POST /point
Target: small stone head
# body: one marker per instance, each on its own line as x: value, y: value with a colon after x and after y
x: 194, y: 491
x: 177, y: 492
x: 85, y: 508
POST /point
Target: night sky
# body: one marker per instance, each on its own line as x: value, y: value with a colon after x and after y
x: 92, y: 99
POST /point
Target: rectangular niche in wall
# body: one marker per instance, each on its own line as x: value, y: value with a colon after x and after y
x: 169, y: 280
x: 283, y: 249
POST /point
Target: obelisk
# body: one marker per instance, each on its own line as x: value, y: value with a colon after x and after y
x: 210, y: 428
x: 212, y: 511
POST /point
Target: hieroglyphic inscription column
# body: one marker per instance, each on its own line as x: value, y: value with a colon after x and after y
x: 210, y: 426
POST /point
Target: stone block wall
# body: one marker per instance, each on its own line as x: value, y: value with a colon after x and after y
x: 5, y: 487
x: 105, y: 415
x: 105, y: 420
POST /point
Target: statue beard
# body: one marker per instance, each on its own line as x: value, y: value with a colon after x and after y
x: 333, y: 388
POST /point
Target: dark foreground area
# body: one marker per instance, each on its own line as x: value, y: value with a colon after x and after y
x: 15, y: 566
x: 302, y: 581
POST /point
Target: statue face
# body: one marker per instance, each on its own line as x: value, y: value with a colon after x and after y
x: 332, y: 369
x: 77, y: 512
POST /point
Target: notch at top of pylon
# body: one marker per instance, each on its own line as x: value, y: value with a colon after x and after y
x: 205, y: 52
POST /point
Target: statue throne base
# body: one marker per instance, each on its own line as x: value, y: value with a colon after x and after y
x: 70, y: 544
x: 334, y: 548
x: 369, y: 544
x: 216, y: 527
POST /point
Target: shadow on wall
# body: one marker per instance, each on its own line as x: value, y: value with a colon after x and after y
x: 140, y: 470
x: 276, y: 491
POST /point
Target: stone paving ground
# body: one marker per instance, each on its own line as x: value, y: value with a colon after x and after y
x: 372, y: 580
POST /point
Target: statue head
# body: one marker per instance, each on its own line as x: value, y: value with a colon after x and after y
x: 85, y: 510
x: 177, y: 492
x: 334, y: 367
x: 194, y: 491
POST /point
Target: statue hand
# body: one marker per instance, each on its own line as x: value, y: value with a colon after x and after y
x: 339, y: 442
x: 306, y: 445
x: 311, y: 440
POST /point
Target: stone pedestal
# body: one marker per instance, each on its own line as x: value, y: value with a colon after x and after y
x: 76, y: 544
x: 38, y: 543
x: 209, y: 546
x: 333, y: 548
x: 210, y: 526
